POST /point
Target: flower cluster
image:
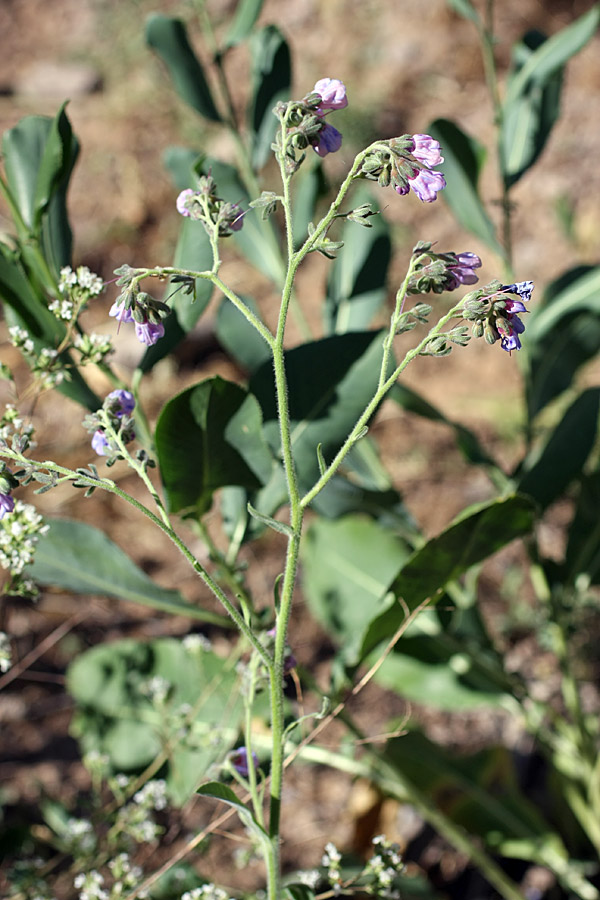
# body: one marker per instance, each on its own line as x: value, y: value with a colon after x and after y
x: 46, y: 364
x: 496, y: 315
x: 440, y: 272
x: 206, y: 892
x: 205, y: 206
x: 75, y: 289
x: 19, y: 534
x: 407, y: 163
x: 304, y: 123
x: 332, y: 94
x: 134, y: 820
x: 112, y: 425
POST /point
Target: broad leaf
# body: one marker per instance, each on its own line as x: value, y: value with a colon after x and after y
x: 271, y: 83
x: 82, y: 559
x: 356, y: 286
x: 246, y: 14
x: 476, y: 534
x: 562, y: 459
x: 330, y: 383
x: 238, y: 337
x: 168, y: 36
x: 207, y: 437
x: 583, y: 548
x: 347, y: 566
x: 110, y: 684
x: 562, y: 335
x: 463, y: 161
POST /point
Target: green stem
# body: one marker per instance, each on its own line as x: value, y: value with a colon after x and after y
x: 384, y: 385
x: 111, y: 487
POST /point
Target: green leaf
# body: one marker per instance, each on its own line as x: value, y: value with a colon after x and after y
x: 562, y: 335
x: 480, y: 793
x: 82, y: 559
x: 463, y: 161
x: 356, y: 286
x: 246, y: 14
x: 548, y: 474
x: 330, y: 383
x: 207, y: 437
x: 168, y: 37
x: 299, y: 892
x: 115, y: 715
x: 238, y: 337
x: 347, y: 566
x: 223, y: 792
x: 583, y: 548
x: 423, y: 669
x: 271, y: 83
x: 528, y: 117
x: 477, y: 533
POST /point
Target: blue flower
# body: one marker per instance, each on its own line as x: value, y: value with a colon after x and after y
x: 100, y: 443
x: 239, y: 761
x: 7, y: 504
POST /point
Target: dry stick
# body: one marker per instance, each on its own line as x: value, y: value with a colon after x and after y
x: 323, y: 724
x: 41, y: 648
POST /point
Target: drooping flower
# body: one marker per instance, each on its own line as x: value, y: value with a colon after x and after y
x: 121, y: 312
x: 149, y: 332
x: 182, y: 201
x: 7, y: 504
x: 333, y: 93
x: 329, y: 140
x: 239, y: 761
x: 462, y: 272
x: 425, y: 184
x: 508, y: 324
x: 510, y: 327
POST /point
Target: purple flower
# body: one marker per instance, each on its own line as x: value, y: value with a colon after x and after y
x: 425, y: 184
x: 149, y: 332
x: 510, y: 327
x: 7, y: 504
x: 239, y: 761
x: 181, y: 201
x: 329, y: 140
x: 523, y: 288
x: 426, y: 150
x: 126, y: 402
x: 237, y: 223
x: 333, y: 93
x: 121, y: 312
x: 100, y: 444
x: 462, y: 272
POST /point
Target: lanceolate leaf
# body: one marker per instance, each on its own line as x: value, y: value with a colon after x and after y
x: 529, y: 116
x: 246, y: 14
x: 169, y: 38
x: 477, y: 533
x: 223, y: 792
x: 82, y: 559
x: 463, y: 160
x: 330, y: 383
x: 271, y: 82
x: 356, y: 285
x: 566, y: 452
x: 207, y: 437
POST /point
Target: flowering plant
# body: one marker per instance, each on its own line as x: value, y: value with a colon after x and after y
x: 285, y: 455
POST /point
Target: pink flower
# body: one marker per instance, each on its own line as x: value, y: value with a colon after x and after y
x: 181, y: 201
x: 149, y: 332
x: 329, y: 139
x: 462, y: 272
x: 427, y: 150
x: 333, y: 93
x: 425, y: 184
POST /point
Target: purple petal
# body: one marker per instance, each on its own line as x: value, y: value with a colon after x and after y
x: 427, y: 150
x: 119, y: 311
x: 100, y: 444
x: 333, y: 93
x: 126, y: 401
x: 183, y: 197
x: 330, y: 140
x: 426, y: 185
x: 7, y: 504
x: 149, y: 332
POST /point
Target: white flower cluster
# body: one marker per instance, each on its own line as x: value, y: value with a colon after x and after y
x: 83, y: 279
x: 90, y: 886
x: 126, y: 876
x: 157, y: 689
x: 384, y: 867
x: 19, y: 534
x: 331, y: 860
x: 11, y: 423
x: 206, y: 892
x: 134, y: 818
x: 153, y: 794
x: 5, y: 652
x: 46, y: 364
x: 94, y: 348
x: 79, y: 835
x: 21, y: 340
x: 194, y: 642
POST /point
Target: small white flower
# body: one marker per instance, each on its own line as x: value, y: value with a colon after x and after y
x: 5, y: 652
